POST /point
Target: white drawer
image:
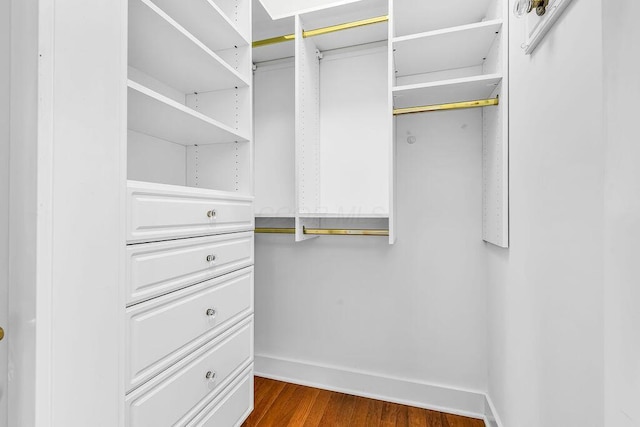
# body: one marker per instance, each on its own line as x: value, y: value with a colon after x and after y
x: 232, y: 408
x: 162, y: 212
x: 182, y: 391
x: 166, y: 329
x: 158, y: 268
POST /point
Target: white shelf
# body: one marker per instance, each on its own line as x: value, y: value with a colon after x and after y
x: 161, y: 48
x: 457, y: 47
x: 275, y: 215
x: 413, y: 17
x: 342, y: 215
x: 206, y: 21
x: 156, y: 115
x: 191, y: 191
x: 446, y: 91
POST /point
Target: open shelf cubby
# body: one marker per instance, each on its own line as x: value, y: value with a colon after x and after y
x: 190, y: 94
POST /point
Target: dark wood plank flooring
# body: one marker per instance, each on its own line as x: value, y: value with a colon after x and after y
x: 279, y: 404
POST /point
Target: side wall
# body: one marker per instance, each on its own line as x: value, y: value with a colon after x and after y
x: 545, y: 292
x: 622, y: 214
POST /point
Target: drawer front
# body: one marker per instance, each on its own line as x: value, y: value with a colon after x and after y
x: 155, y: 269
x: 177, y: 395
x: 231, y: 409
x: 157, y: 212
x: 166, y: 329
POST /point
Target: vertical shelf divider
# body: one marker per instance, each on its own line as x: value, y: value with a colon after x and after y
x: 495, y: 141
x: 307, y: 131
x: 392, y: 128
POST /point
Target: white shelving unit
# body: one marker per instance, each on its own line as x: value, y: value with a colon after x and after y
x: 453, y: 52
x: 343, y: 93
x: 317, y: 113
x: 189, y: 214
x: 186, y: 94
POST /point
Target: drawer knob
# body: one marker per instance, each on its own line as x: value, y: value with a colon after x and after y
x: 211, y: 375
x: 211, y: 312
x: 211, y: 258
x: 211, y: 213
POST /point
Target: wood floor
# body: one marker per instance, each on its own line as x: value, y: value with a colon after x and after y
x: 279, y: 404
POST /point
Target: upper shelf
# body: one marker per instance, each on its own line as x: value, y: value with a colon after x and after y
x: 412, y: 17
x: 206, y: 21
x: 446, y: 91
x: 156, y: 115
x: 161, y: 48
x: 457, y: 47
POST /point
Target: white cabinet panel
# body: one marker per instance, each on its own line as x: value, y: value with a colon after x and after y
x: 178, y: 394
x: 163, y: 212
x: 163, y: 330
x: 155, y: 269
x: 232, y: 409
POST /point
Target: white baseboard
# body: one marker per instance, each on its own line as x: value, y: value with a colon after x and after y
x: 429, y: 396
x: 491, y: 415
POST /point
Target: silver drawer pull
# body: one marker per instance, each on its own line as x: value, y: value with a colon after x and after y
x: 211, y: 258
x: 211, y: 312
x: 211, y: 375
x: 212, y: 213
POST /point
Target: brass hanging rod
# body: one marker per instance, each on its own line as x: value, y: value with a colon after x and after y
x: 323, y: 30
x: 324, y: 231
x: 274, y: 40
x: 444, y: 107
x: 346, y: 26
x: 275, y: 230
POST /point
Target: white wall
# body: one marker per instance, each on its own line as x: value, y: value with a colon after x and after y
x: 622, y: 214
x: 5, y: 101
x: 414, y: 310
x: 545, y: 292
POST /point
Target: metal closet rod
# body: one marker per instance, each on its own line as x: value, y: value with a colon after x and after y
x: 450, y: 106
x: 324, y: 231
x: 323, y: 30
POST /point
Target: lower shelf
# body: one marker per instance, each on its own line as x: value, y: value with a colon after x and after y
x: 446, y: 91
x: 153, y: 114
